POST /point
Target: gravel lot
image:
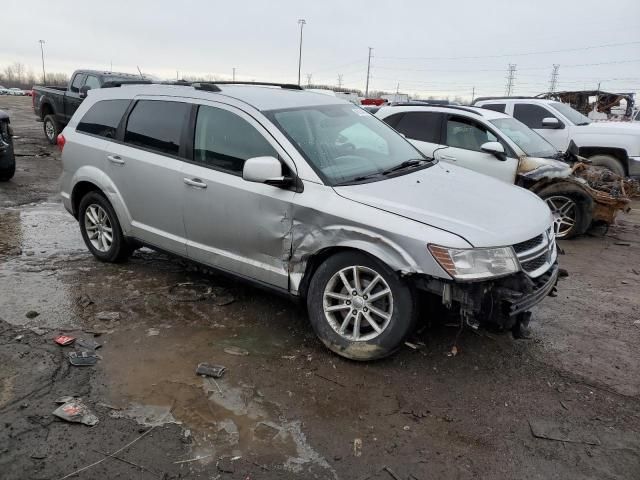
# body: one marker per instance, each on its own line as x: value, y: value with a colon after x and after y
x: 289, y: 409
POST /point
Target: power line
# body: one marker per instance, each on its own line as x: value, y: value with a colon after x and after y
x: 591, y: 47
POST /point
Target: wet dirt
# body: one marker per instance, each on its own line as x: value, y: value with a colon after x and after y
x: 289, y: 408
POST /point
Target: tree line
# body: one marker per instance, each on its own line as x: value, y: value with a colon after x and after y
x: 17, y: 75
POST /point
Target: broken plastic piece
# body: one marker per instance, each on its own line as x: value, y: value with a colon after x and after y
x: 88, y: 343
x: 208, y: 370
x: 76, y: 412
x: 83, y: 359
x: 236, y: 351
x: 64, y: 340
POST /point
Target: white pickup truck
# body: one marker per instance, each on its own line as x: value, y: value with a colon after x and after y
x: 613, y: 145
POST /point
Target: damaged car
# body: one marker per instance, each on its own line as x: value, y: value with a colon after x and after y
x: 308, y: 195
x: 500, y: 146
x: 7, y: 156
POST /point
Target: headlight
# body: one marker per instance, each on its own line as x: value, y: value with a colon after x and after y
x: 475, y: 263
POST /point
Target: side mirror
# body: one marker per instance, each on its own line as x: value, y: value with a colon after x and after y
x: 494, y: 148
x: 264, y: 170
x: 551, y: 122
x: 83, y: 91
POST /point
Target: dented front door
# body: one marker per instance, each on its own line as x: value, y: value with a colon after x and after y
x: 232, y: 224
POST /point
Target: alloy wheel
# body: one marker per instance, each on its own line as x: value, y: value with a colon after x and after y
x: 98, y: 227
x: 50, y: 130
x: 564, y: 211
x: 358, y: 303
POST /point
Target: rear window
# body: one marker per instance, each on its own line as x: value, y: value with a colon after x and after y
x: 422, y: 126
x: 157, y: 125
x: 496, y: 107
x: 103, y: 118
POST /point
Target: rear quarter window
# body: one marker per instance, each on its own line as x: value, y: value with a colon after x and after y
x: 496, y: 107
x: 103, y: 118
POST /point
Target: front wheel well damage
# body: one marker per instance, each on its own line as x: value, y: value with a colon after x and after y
x: 315, y: 260
x: 79, y: 191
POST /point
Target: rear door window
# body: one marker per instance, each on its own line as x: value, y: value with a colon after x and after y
x: 531, y: 115
x: 103, y: 118
x: 496, y: 107
x: 422, y: 126
x: 224, y: 140
x: 157, y: 125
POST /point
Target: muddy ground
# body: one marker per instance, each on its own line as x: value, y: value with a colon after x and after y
x: 289, y: 409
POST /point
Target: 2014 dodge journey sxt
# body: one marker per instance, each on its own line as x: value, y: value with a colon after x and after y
x: 306, y: 194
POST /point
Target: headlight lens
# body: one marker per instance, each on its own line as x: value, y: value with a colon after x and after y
x: 475, y: 263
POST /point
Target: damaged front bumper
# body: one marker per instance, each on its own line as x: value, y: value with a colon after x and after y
x: 497, y: 302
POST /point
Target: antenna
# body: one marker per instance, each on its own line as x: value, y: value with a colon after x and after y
x: 141, y: 76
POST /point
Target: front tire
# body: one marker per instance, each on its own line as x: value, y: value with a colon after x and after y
x: 359, y: 307
x: 101, y: 230
x: 571, y: 213
x: 608, y: 162
x: 51, y: 129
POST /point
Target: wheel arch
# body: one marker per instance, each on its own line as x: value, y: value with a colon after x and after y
x: 46, y: 109
x: 619, y: 154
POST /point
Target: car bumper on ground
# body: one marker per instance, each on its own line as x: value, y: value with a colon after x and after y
x: 498, y: 302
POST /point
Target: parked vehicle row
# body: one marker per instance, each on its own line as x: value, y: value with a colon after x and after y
x: 14, y: 91
x: 612, y: 145
x: 312, y: 196
x: 500, y: 146
x: 54, y: 106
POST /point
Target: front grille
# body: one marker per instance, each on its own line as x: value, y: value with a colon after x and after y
x: 535, y: 264
x: 536, y: 253
x: 528, y: 244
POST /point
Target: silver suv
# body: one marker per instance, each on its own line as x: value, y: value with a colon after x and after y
x: 310, y: 195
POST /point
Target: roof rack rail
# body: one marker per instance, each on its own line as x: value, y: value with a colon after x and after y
x: 289, y: 86
x: 516, y: 97
x: 119, y: 83
x: 427, y: 104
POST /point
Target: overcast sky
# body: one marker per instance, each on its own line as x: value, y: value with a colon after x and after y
x: 409, y: 40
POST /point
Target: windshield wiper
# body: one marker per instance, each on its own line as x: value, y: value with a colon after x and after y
x: 406, y: 164
x: 358, y: 179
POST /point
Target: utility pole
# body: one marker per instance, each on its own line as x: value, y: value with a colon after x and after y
x: 177, y: 76
x: 234, y: 74
x: 302, y: 23
x: 366, y: 90
x: 340, y: 80
x: 44, y: 75
x: 309, y: 75
x: 554, y: 78
x: 473, y: 94
x: 511, y: 76
x: 398, y: 88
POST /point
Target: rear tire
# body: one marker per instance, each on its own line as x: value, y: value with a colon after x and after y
x: 101, y: 229
x: 51, y: 129
x: 608, y: 162
x: 343, y: 311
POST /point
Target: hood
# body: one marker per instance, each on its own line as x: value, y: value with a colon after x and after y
x: 484, y: 211
x: 536, y: 168
x: 620, y: 128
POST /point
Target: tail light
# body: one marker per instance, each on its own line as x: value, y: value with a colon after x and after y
x: 60, y: 141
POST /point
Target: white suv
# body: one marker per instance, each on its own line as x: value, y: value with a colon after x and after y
x: 309, y: 195
x: 613, y: 145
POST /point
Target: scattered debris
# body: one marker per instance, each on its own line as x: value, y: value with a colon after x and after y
x: 200, y: 457
x: 236, y: 351
x: 563, y: 273
x: 391, y: 472
x: 108, y: 316
x: 83, y: 359
x: 18, y: 338
x: 124, y: 460
x: 64, y: 340
x: 357, y: 447
x: 39, y: 331
x: 225, y: 465
x: 153, y: 332
x: 88, y: 343
x: 84, y: 301
x: 76, y: 412
x: 453, y: 352
x: 190, y: 292
x: 550, y: 430
x: 411, y: 345
x: 208, y: 370
x: 623, y: 244
x: 265, y: 431
x: 564, y: 405
x: 31, y: 314
x: 65, y: 399
x: 329, y: 379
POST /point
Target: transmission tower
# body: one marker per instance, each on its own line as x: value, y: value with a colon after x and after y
x: 309, y: 79
x: 554, y: 78
x: 511, y: 76
x: 340, y: 80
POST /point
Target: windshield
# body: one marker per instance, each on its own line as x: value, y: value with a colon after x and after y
x: 572, y: 115
x: 344, y: 143
x: 532, y: 144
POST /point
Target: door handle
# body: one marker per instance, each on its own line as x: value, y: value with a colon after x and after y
x: 115, y: 159
x: 195, y: 182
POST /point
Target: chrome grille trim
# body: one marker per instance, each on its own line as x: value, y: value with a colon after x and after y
x: 537, y: 254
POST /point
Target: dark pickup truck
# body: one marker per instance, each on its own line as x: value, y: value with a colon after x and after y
x: 56, y: 105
